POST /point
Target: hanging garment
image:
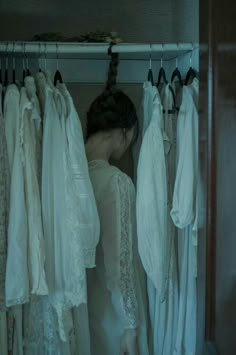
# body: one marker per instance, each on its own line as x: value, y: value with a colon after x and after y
x: 116, y: 290
x: 163, y: 312
x: 37, y: 122
x: 36, y: 245
x: 164, y: 315
x: 41, y: 333
x: 184, y: 215
x: 64, y: 189
x: 17, y: 276
x: 82, y: 205
x: 169, y: 120
x: 152, y: 201
x: 4, y: 191
x: 144, y: 117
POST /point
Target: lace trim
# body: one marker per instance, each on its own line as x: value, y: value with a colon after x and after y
x: 89, y: 257
x: 17, y: 301
x: 127, y: 275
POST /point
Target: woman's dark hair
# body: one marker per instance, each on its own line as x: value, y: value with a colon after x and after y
x: 113, y: 108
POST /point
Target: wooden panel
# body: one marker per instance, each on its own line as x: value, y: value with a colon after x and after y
x: 218, y: 99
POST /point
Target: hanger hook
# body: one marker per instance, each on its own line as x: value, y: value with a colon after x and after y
x: 6, y: 55
x: 27, y: 59
x: 23, y: 56
x: 176, y: 59
x: 150, y: 57
x: 45, y: 56
x: 191, y: 55
x: 57, y: 56
x: 162, y: 55
x: 13, y: 57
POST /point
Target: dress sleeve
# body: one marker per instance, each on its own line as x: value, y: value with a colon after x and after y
x: 85, y: 204
x: 185, y: 189
x: 116, y: 215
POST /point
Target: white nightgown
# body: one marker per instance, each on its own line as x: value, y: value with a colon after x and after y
x: 184, y: 215
x: 163, y: 308
x: 36, y: 245
x: 71, y: 227
x: 116, y: 287
x: 17, y: 274
x: 152, y: 200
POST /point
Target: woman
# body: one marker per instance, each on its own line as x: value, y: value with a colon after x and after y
x: 116, y: 287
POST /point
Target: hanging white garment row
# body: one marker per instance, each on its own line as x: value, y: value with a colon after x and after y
x: 87, y: 62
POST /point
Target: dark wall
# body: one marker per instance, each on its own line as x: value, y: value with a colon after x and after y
x: 135, y: 20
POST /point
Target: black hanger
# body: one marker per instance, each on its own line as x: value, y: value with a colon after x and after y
x: 6, y: 77
x: 13, y: 76
x: 13, y: 70
x: 190, y: 74
x: 57, y: 77
x: 161, y: 75
x: 150, y: 77
x: 176, y: 74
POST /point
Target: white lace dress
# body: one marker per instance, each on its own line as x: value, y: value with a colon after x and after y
x: 36, y: 244
x: 17, y: 274
x: 116, y: 287
x: 184, y: 214
x: 155, y: 228
x: 71, y: 227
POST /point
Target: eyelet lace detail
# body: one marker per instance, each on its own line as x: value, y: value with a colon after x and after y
x: 127, y: 275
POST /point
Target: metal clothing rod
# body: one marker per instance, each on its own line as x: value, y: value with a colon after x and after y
x: 58, y: 48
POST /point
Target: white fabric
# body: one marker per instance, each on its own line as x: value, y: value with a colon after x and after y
x: 184, y: 199
x: 163, y: 313
x: 152, y: 201
x: 115, y: 296
x: 83, y: 205
x: 70, y: 217
x: 144, y: 117
x: 184, y: 215
x: 36, y: 245
x: 17, y: 277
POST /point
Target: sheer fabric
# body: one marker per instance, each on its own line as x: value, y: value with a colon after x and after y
x: 70, y: 217
x: 164, y: 314
x: 17, y: 276
x: 184, y: 215
x: 113, y: 284
x: 36, y: 243
x: 86, y: 220
x: 152, y: 200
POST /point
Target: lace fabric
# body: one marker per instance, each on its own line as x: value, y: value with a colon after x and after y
x: 127, y: 277
x: 118, y: 255
x: 66, y: 274
x: 85, y: 212
x: 17, y: 277
x: 33, y: 202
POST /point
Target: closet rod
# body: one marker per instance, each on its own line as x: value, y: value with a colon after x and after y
x: 76, y: 48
